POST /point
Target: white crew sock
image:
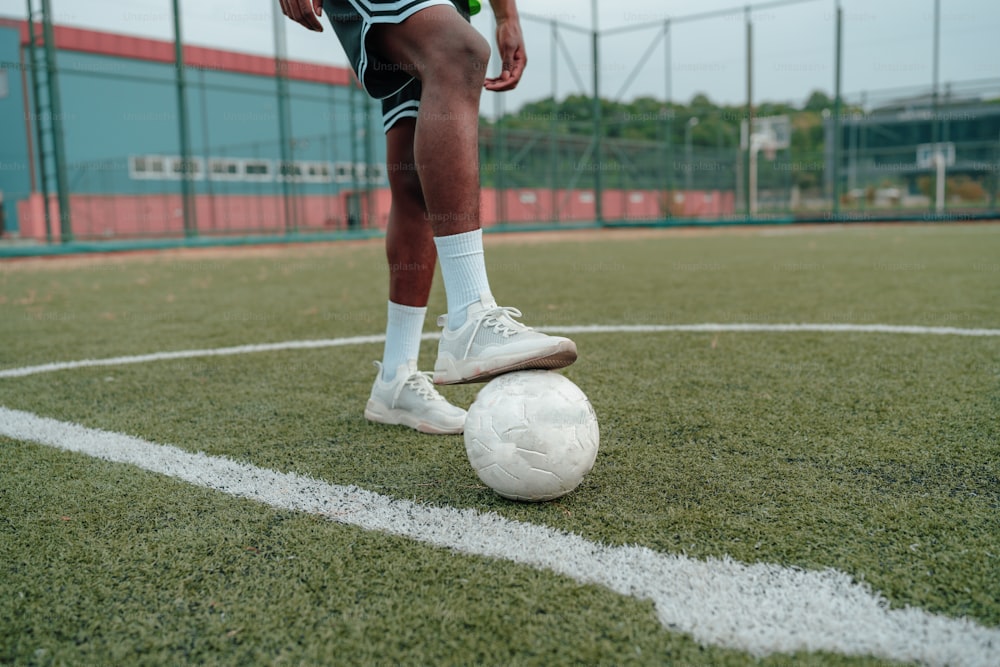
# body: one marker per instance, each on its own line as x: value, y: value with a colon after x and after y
x: 402, y: 337
x: 463, y: 268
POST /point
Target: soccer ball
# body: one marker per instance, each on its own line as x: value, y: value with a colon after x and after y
x: 531, y: 435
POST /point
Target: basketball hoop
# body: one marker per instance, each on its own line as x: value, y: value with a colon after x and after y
x: 766, y: 142
x: 765, y: 135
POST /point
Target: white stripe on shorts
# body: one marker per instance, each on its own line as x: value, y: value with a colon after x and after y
x: 408, y: 109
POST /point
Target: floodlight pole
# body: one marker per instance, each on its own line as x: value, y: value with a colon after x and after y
x: 835, y: 167
x: 553, y: 123
x: 748, y: 197
x: 287, y: 171
x: 187, y: 172
x: 55, y: 113
x: 996, y: 179
x: 370, y: 114
x: 935, y: 71
x: 669, y: 120
x: 598, y: 185
x: 935, y: 101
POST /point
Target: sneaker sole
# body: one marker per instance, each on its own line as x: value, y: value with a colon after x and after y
x: 466, y: 372
x: 375, y: 413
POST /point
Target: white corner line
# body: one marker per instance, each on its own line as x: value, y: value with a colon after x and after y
x: 570, y: 329
x: 189, y: 354
x: 759, y: 608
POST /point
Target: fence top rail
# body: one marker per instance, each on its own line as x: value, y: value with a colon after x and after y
x: 701, y: 16
x: 549, y: 20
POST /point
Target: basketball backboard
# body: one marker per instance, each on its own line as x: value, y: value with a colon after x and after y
x: 770, y: 133
x: 927, y: 152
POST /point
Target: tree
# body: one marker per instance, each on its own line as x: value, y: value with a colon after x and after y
x: 818, y: 100
x: 700, y: 103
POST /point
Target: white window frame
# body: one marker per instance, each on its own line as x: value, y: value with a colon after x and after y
x: 173, y: 175
x: 134, y: 172
x: 375, y: 173
x: 316, y: 171
x: 343, y: 172
x: 236, y: 175
x: 258, y: 178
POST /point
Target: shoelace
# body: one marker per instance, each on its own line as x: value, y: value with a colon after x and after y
x: 501, y: 320
x: 421, y: 383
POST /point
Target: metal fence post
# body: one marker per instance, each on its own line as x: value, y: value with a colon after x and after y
x: 747, y: 195
x: 287, y: 170
x: 837, y: 109
x: 55, y: 117
x: 598, y: 130
x: 187, y: 172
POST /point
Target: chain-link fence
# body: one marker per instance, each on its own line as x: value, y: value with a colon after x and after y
x: 128, y: 137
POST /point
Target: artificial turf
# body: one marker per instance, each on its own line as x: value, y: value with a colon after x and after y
x: 875, y: 454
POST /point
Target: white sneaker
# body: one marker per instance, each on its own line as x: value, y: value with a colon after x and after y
x: 410, y: 399
x: 492, y: 342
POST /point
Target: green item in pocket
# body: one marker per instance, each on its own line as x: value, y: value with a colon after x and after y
x: 474, y: 7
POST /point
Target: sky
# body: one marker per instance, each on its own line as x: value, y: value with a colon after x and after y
x: 887, y: 44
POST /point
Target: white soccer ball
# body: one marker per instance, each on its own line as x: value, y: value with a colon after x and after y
x: 531, y: 435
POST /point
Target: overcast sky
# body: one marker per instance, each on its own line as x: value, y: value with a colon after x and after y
x: 887, y: 43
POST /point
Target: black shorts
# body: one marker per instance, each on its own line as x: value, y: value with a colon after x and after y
x: 397, y: 88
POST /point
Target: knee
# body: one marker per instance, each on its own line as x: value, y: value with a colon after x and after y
x: 407, y: 194
x: 463, y: 62
x: 476, y: 53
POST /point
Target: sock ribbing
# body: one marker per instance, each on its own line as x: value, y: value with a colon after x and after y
x: 402, y: 337
x: 463, y: 268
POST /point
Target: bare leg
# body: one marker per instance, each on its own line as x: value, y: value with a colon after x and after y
x: 410, y: 251
x: 409, y: 239
x: 449, y: 57
x: 409, y: 400
x: 401, y: 394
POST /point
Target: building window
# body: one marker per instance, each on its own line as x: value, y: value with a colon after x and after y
x: 177, y: 168
x: 375, y: 173
x: 147, y: 167
x: 290, y: 171
x: 257, y: 170
x: 343, y: 172
x: 321, y: 172
x: 316, y: 172
x: 225, y: 169
x: 305, y: 171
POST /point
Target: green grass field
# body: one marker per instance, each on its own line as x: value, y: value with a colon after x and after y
x: 873, y: 454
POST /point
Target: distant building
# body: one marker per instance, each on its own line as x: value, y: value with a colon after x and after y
x: 120, y: 120
x: 123, y: 156
x: 896, y: 143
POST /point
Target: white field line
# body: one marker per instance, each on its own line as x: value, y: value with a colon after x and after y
x: 574, y: 329
x: 189, y: 354
x: 760, y: 608
x: 777, y: 328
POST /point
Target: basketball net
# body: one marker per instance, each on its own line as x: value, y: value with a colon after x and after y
x: 766, y: 143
